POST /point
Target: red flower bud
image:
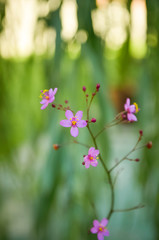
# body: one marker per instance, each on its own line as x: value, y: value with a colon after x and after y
x: 97, y: 87
x: 84, y: 88
x: 137, y: 159
x: 149, y: 145
x: 56, y: 146
x: 87, y: 95
x: 83, y: 163
x: 93, y: 94
x: 53, y: 105
x: 93, y: 120
x: 66, y: 101
x: 141, y: 133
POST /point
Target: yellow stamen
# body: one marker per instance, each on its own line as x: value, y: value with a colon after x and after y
x: 91, y: 158
x: 74, y: 122
x: 47, y: 97
x: 136, y: 106
x: 100, y: 229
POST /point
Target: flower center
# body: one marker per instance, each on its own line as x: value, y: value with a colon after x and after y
x: 74, y: 123
x: 91, y: 158
x: 44, y: 94
x: 47, y: 97
x: 100, y: 229
x: 136, y: 106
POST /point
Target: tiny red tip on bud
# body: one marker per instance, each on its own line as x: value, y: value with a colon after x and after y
x: 84, y: 155
x: 56, y: 146
x: 83, y: 163
x: 84, y: 88
x: 137, y: 159
x: 149, y: 145
x: 66, y: 101
x: 97, y: 87
x: 93, y: 120
x: 93, y: 94
x: 53, y: 105
x: 86, y: 121
x: 141, y: 133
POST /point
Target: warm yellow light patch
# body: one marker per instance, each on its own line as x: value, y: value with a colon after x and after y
x: 136, y: 106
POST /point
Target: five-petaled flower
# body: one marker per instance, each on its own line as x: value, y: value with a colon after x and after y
x: 91, y: 158
x: 74, y: 122
x: 48, y: 96
x: 100, y: 228
x: 130, y: 110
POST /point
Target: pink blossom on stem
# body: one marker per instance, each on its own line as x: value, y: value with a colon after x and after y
x: 74, y: 122
x: 48, y: 96
x: 131, y: 109
x: 100, y: 229
x: 91, y: 158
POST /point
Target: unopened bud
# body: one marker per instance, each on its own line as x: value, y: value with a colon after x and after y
x: 84, y: 155
x: 137, y: 159
x: 87, y: 95
x: 93, y: 94
x: 53, y: 105
x: 141, y: 133
x: 84, y: 88
x: 66, y: 101
x: 83, y: 163
x: 93, y: 120
x: 97, y: 87
x: 56, y: 146
x: 149, y: 145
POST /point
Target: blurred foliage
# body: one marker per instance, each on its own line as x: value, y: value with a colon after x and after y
x: 46, y: 194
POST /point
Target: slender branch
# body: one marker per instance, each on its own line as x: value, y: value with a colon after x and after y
x: 129, y: 209
x: 107, y: 172
x: 85, y: 145
x: 126, y: 156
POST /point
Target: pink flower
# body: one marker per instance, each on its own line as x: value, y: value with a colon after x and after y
x: 91, y: 158
x: 73, y: 122
x: 100, y: 229
x: 48, y: 96
x: 131, y: 109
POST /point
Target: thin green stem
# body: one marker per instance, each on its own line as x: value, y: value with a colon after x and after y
x: 129, y: 209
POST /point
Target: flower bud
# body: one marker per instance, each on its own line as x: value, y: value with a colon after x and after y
x: 66, y: 101
x: 93, y: 120
x: 83, y: 163
x: 137, y: 159
x: 141, y: 133
x: 149, y: 145
x: 87, y: 95
x: 97, y: 87
x: 93, y: 94
x: 53, y: 105
x: 56, y: 146
x: 84, y: 88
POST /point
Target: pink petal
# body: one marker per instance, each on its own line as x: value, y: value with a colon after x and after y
x: 106, y: 232
x: 94, y: 230
x: 79, y: 115
x: 55, y: 90
x: 74, y: 131
x: 44, y: 106
x: 96, y: 152
x: 100, y: 236
x: 96, y: 223
x: 86, y: 158
x: 68, y: 114
x: 43, y: 101
x: 65, y: 123
x: 87, y: 164
x: 104, y: 222
x: 91, y: 151
x: 81, y: 123
x: 132, y: 109
x: 51, y: 93
x: 131, y: 117
x: 94, y: 163
x: 128, y: 101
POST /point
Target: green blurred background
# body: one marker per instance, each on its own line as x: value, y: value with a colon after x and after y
x: 48, y: 194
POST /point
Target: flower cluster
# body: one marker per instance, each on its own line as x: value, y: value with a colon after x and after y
x: 75, y: 121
